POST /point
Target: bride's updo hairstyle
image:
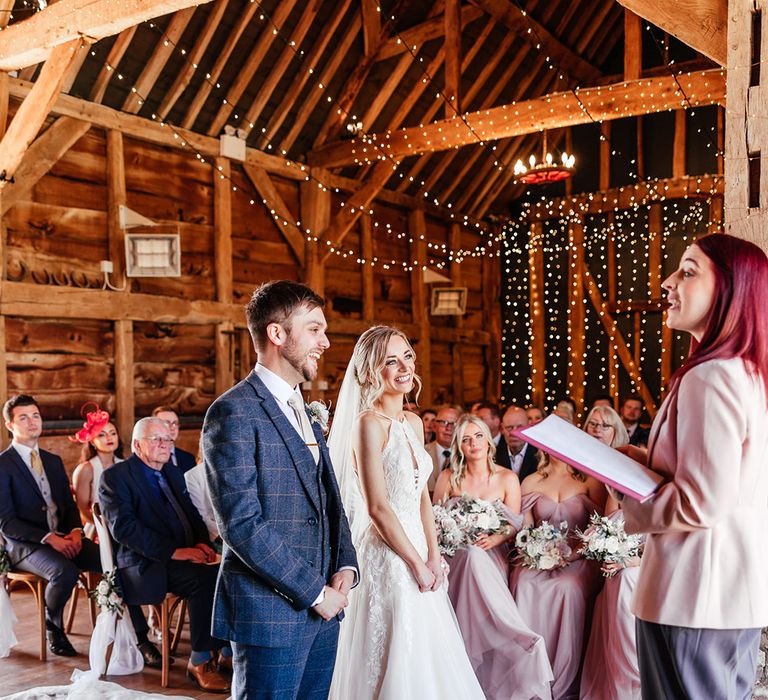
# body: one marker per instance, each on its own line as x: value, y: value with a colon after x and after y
x: 458, y: 461
x: 369, y: 357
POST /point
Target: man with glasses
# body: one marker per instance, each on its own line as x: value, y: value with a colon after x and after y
x: 161, y: 546
x: 512, y: 452
x: 440, y: 448
x: 180, y: 458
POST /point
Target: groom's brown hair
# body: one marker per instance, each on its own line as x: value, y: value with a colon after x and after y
x: 276, y: 302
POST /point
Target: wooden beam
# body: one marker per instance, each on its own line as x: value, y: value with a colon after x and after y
x: 252, y: 64
x: 124, y: 378
x: 702, y: 24
x: 245, y: 350
x: 281, y: 214
x: 116, y: 197
x: 315, y: 205
x: 366, y: 270
x: 371, y: 17
x: 419, y: 34
x: 452, y: 57
x: 417, y: 230
x: 41, y: 156
x: 31, y: 40
x: 491, y: 278
x: 633, y: 45
x: 552, y: 111
x: 225, y: 357
x: 511, y: 16
x: 222, y: 223
x: 355, y: 207
x: 576, y: 314
x: 678, y: 145
x: 110, y: 66
x: 163, y: 50
x: 656, y: 238
x: 33, y: 111
x: 604, y: 175
x: 192, y: 63
x: 4, y: 437
x: 538, y: 334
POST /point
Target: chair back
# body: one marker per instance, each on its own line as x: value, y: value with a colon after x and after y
x: 105, y: 541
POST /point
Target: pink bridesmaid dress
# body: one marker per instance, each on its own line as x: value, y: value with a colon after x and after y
x: 610, y: 664
x: 509, y: 659
x: 557, y: 603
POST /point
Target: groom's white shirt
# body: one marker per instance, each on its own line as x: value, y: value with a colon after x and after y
x: 282, y: 391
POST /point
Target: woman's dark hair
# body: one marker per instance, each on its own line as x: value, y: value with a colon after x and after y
x: 738, y: 320
x: 88, y: 451
x: 276, y: 302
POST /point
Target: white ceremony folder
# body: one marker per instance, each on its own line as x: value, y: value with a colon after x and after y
x: 565, y: 441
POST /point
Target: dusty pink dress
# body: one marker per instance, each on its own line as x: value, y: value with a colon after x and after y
x: 510, y: 660
x: 610, y: 664
x: 557, y: 603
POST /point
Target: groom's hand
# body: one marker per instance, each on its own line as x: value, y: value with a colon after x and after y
x: 332, y: 604
x: 342, y: 581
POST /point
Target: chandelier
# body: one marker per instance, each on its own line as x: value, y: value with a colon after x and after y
x: 547, y: 170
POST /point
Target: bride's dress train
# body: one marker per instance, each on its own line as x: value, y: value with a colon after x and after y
x: 397, y: 642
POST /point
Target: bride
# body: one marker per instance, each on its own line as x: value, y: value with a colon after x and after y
x: 400, y: 638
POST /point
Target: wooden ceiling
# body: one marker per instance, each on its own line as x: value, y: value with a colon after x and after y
x: 294, y: 73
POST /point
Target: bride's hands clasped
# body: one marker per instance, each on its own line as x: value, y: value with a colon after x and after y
x: 425, y: 576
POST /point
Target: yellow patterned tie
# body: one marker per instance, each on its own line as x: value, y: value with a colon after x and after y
x: 37, y: 463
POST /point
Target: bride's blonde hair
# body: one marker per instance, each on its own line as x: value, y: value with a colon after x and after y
x: 369, y: 357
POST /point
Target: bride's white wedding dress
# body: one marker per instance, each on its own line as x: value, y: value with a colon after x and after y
x: 397, y: 642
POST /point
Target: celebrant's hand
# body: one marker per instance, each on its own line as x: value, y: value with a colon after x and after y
x: 487, y: 542
x: 342, y: 581
x: 425, y: 577
x: 639, y: 454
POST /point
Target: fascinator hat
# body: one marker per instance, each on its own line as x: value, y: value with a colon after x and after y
x: 95, y: 420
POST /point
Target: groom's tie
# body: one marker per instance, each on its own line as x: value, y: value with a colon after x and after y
x: 297, y: 404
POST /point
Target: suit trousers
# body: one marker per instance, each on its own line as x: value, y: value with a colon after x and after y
x: 287, y: 673
x: 61, y: 574
x: 684, y: 663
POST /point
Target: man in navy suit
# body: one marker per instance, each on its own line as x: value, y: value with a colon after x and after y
x: 288, y: 561
x: 180, y: 458
x: 512, y: 452
x: 39, y: 519
x: 162, y: 544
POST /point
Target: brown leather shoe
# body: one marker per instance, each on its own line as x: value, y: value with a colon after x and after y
x: 207, y: 677
x: 225, y: 664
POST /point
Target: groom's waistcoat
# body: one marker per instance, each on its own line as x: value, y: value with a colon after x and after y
x: 280, y: 516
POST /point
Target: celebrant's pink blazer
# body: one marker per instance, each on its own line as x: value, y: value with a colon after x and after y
x: 705, y: 563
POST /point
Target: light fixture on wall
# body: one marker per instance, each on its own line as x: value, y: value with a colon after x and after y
x: 448, y: 301
x: 547, y: 170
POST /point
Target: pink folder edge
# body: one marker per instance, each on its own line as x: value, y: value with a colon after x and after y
x: 520, y: 432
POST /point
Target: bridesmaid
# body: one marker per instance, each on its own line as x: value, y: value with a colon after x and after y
x: 101, y: 449
x: 700, y: 599
x: 610, y: 664
x: 556, y: 603
x: 509, y: 659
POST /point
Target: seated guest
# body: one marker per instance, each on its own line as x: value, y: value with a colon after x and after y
x: 179, y: 458
x: 162, y: 544
x: 489, y: 413
x: 512, y: 452
x: 101, y: 449
x: 440, y: 448
x: 427, y: 416
x: 566, y: 409
x: 39, y: 518
x: 603, y: 400
x: 200, y: 495
x: 631, y: 411
x: 535, y: 414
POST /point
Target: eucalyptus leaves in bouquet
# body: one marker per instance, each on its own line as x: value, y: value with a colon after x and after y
x: 543, y: 548
x: 605, y: 540
x: 460, y: 521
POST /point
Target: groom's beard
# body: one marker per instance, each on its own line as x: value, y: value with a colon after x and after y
x: 300, y: 362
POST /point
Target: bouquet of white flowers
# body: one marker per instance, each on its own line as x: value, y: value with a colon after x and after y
x: 106, y: 594
x: 606, y: 540
x: 544, y: 547
x: 462, y: 520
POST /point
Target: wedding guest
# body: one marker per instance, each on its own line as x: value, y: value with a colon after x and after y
x: 161, y: 545
x: 39, y: 519
x: 610, y: 663
x: 428, y: 415
x: 631, y: 411
x: 566, y: 409
x: 700, y: 599
x: 489, y: 413
x: 510, y: 660
x: 200, y: 495
x: 602, y: 400
x: 557, y: 603
x: 179, y: 458
x: 101, y: 449
x: 535, y: 414
x: 513, y: 452
x: 440, y: 448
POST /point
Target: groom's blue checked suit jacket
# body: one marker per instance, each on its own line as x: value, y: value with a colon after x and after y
x: 280, y: 516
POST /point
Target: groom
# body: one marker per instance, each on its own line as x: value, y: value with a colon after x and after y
x: 288, y: 561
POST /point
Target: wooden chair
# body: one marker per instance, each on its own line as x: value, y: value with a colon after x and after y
x: 165, y: 611
x: 87, y: 580
x: 37, y: 585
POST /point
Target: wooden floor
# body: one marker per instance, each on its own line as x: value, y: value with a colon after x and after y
x: 23, y: 669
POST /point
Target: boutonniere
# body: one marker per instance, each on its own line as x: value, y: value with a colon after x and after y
x: 318, y: 413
